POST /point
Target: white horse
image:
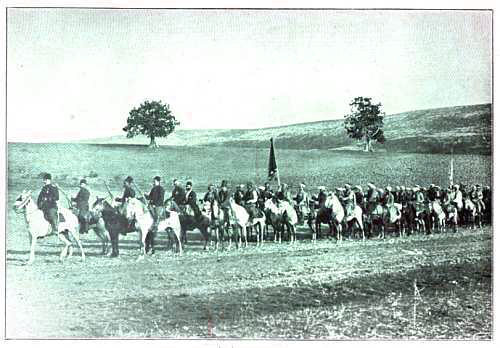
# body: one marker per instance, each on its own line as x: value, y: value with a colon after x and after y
x: 216, y: 217
x: 38, y: 227
x: 332, y: 202
x: 138, y: 211
x: 356, y: 216
x: 287, y: 214
x: 238, y: 219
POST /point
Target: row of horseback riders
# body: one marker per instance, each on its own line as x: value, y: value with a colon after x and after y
x: 184, y: 199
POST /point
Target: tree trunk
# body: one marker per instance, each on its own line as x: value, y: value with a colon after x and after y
x: 368, y: 144
x: 153, y: 143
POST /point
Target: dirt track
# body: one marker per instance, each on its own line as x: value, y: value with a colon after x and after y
x: 347, y: 290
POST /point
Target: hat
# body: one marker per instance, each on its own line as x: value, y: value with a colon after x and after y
x: 262, y: 188
x: 223, y: 183
x: 371, y: 185
x: 415, y: 189
x: 83, y: 181
x: 358, y: 187
x: 347, y: 186
x: 388, y: 188
x: 242, y: 185
x: 402, y: 188
x: 129, y: 179
x: 157, y: 178
x: 47, y: 176
x: 380, y: 190
x: 302, y: 185
x: 456, y: 186
x: 189, y: 183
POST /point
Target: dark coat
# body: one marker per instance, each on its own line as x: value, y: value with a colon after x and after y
x: 211, y: 197
x: 48, y: 197
x: 82, y: 200
x: 223, y: 196
x: 128, y: 192
x: 157, y: 196
x: 179, y: 195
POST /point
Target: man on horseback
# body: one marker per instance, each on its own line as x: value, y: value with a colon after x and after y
x: 359, y: 195
x: 302, y: 202
x: 250, y: 201
x: 211, y: 197
x: 191, y: 201
x: 47, y: 202
x: 128, y: 191
x: 82, y: 206
x: 285, y: 193
x: 348, y: 199
x: 373, y: 197
x: 223, y: 200
x: 476, y: 196
x: 156, y: 200
x: 268, y: 192
x: 321, y: 198
x: 239, y: 194
x: 178, y: 196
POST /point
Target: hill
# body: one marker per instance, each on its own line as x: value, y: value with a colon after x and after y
x: 423, y: 131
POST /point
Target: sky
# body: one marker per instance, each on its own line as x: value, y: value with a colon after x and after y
x: 76, y: 73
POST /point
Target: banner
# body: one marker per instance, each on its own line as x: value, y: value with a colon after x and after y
x: 272, y: 169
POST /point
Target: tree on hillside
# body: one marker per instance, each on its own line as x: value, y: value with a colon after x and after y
x: 365, y: 122
x: 153, y: 119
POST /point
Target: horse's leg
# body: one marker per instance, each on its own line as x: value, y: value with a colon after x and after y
x: 142, y: 244
x: 76, y: 235
x: 32, y: 249
x: 66, y: 242
x: 102, y: 237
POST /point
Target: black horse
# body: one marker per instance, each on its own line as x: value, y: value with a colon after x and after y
x: 114, y: 222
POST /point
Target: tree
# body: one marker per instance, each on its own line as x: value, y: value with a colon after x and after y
x: 365, y: 121
x: 153, y: 119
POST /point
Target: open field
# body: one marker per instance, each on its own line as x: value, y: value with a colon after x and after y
x: 345, y: 291
x: 465, y: 128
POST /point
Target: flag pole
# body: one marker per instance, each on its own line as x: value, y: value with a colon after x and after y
x: 451, y: 168
x: 277, y: 169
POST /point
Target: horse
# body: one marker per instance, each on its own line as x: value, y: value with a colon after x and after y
x: 451, y: 212
x: 354, y: 215
x: 408, y: 217
x: 470, y: 214
x: 238, y: 219
x: 38, y: 227
x: 114, y: 222
x: 190, y: 223
x: 217, y: 221
x: 383, y: 215
x: 96, y: 224
x: 331, y: 213
x: 274, y: 219
x: 435, y: 216
x: 137, y: 211
x: 287, y: 216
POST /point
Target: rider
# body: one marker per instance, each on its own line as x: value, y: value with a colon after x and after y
x: 372, y: 197
x: 47, y: 202
x: 432, y: 193
x: 388, y: 197
x: 223, y: 200
x: 349, y: 199
x: 156, y: 200
x: 359, y: 195
x: 321, y: 198
x: 190, y: 200
x: 476, y: 196
x: 128, y: 191
x: 457, y: 198
x: 250, y: 200
x: 178, y: 195
x: 287, y: 196
x: 239, y: 194
x: 82, y: 206
x: 302, y: 201
x: 211, y: 197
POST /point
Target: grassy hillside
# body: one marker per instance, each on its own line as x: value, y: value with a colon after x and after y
x: 423, y: 131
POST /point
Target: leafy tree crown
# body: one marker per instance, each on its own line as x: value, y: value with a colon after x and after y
x: 151, y: 118
x: 366, y: 120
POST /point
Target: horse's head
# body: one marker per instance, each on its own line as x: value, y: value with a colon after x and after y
x: 22, y: 200
x: 98, y: 206
x: 133, y: 208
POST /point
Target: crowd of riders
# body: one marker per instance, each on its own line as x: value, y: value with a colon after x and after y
x: 250, y: 196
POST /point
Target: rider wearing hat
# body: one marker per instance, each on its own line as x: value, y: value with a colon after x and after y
x: 191, y: 201
x: 302, y: 202
x: 156, y: 200
x: 47, y: 202
x: 82, y: 205
x: 250, y: 199
x: 239, y: 194
x: 321, y: 198
x: 178, y: 195
x: 476, y: 196
x: 128, y: 191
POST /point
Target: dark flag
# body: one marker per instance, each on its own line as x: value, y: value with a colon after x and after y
x: 273, y: 167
